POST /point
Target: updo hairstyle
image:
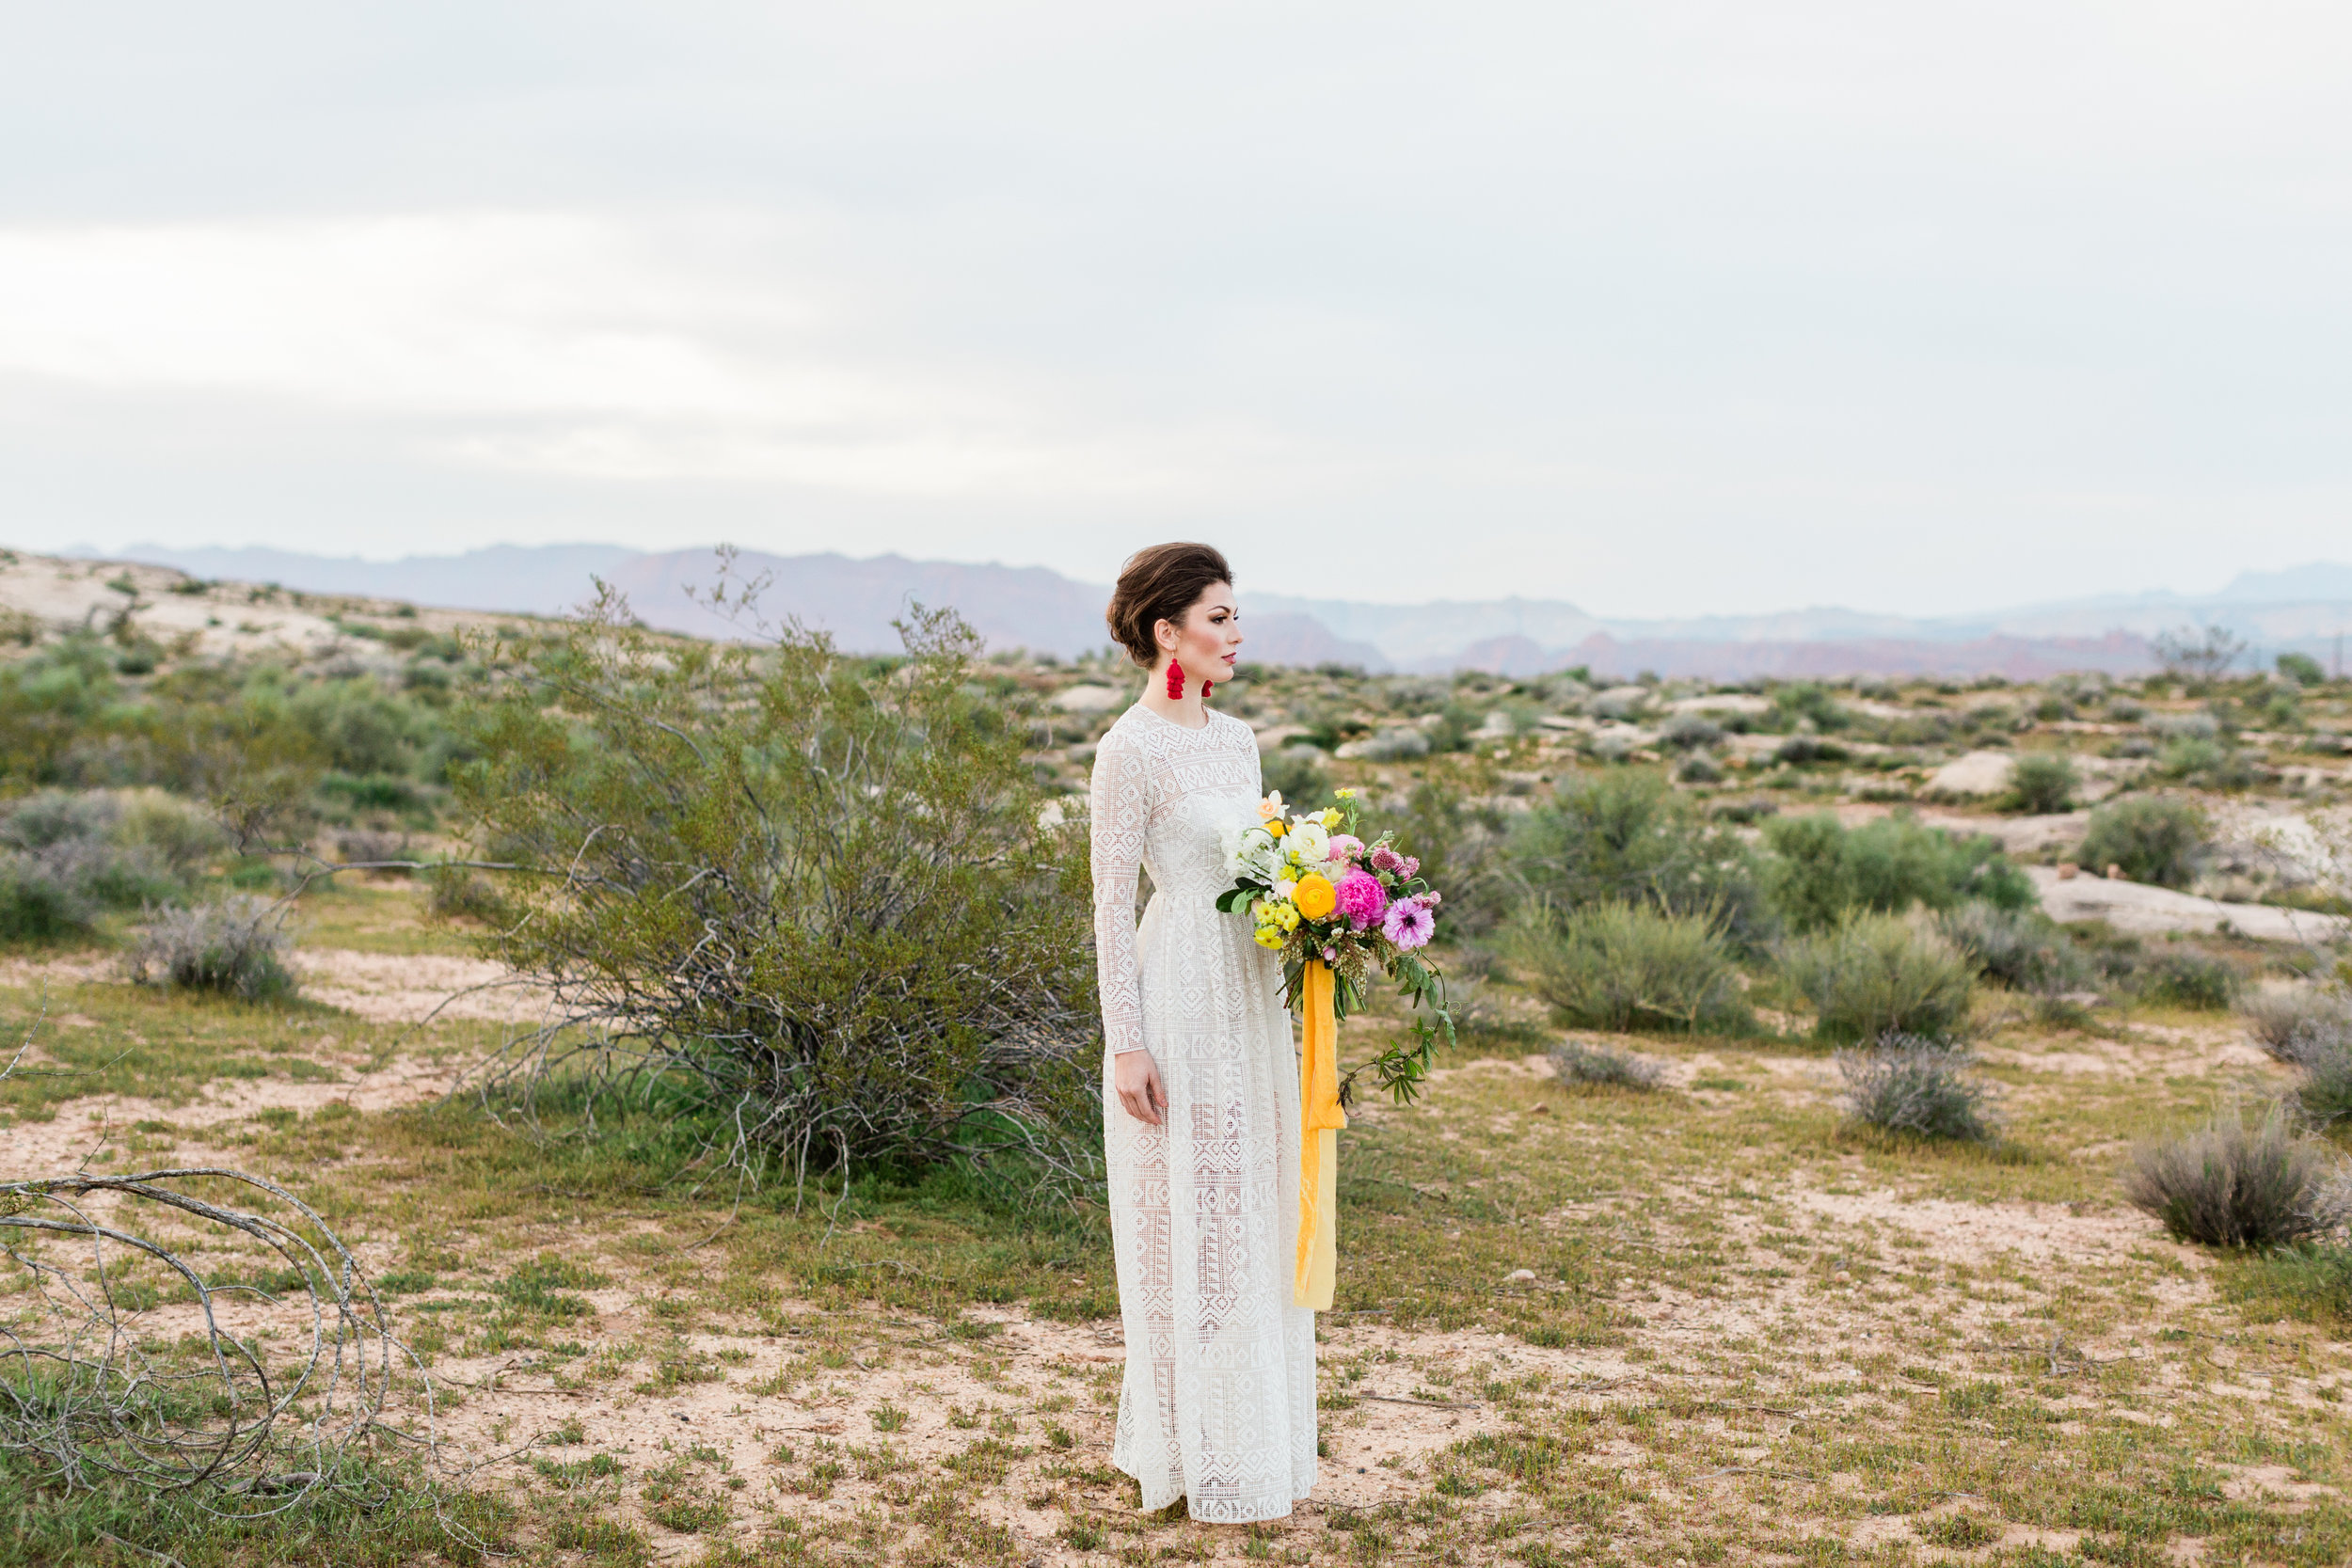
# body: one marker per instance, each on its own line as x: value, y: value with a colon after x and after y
x: 1160, y: 584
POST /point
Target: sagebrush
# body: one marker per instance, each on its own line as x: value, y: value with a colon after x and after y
x: 1904, y: 1083
x: 1627, y: 966
x: 2241, y: 1181
x: 233, y: 947
x: 1875, y: 975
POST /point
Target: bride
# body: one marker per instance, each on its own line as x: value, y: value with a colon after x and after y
x: 1219, y: 1402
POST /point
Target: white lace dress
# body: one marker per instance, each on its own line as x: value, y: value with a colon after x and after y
x: 1218, y: 1403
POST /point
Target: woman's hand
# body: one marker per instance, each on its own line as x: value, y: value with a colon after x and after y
x: 1137, y: 1078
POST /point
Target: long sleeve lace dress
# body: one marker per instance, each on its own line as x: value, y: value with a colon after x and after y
x: 1218, y: 1402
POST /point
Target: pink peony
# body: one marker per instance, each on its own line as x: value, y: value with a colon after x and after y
x: 1409, y: 924
x: 1346, y: 846
x: 1361, y: 899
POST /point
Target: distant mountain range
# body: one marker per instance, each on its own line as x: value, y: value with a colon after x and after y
x: 2304, y: 608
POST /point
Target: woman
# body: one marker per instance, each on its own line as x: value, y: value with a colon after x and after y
x: 1202, y: 1120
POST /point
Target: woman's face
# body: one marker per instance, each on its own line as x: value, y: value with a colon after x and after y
x: 1208, y: 644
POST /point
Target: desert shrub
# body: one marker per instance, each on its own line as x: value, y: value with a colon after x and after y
x: 2044, y: 782
x: 2324, y: 1054
x: 1576, y: 1061
x: 1698, y: 768
x: 360, y: 729
x: 2154, y: 838
x: 1452, y: 824
x: 1394, y: 744
x: 1819, y: 870
x: 2021, y: 949
x: 2189, y: 979
x: 1298, y: 773
x: 2233, y: 1182
x: 1875, y: 975
x: 231, y: 948
x: 814, y: 894
x: 178, y: 837
x: 1627, y: 836
x: 2276, y: 1019
x: 1626, y: 966
x: 1903, y: 1084
x: 1687, y: 732
x: 2302, y: 669
x: 38, y: 904
x: 69, y: 854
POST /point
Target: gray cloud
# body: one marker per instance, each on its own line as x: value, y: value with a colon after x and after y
x: 1668, y: 309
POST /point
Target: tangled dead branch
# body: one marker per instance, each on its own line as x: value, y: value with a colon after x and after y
x: 242, y: 1395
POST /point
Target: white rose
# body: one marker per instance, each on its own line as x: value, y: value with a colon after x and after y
x: 1310, y: 841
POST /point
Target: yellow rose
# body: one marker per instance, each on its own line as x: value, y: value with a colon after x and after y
x: 1315, y: 896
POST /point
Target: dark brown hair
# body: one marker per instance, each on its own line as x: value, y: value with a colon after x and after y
x: 1160, y: 584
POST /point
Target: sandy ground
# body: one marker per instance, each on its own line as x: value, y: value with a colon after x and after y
x: 407, y: 987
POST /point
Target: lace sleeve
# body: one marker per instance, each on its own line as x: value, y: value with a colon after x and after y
x: 1119, y: 807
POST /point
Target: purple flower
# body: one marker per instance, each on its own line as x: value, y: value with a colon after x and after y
x: 1409, y: 924
x: 1361, y: 899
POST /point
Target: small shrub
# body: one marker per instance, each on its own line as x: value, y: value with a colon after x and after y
x: 2154, y: 838
x: 1297, y: 772
x: 1819, y: 870
x: 38, y: 903
x: 1622, y: 966
x: 2190, y: 979
x: 2275, y: 1019
x: 1688, y: 731
x: 2044, y: 782
x: 1581, y: 1062
x: 231, y: 948
x: 1874, y: 975
x: 2324, y: 1054
x: 2021, y: 949
x: 2231, y: 1183
x: 1904, y: 1083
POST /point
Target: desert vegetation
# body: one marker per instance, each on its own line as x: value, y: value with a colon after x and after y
x: 692, y: 1046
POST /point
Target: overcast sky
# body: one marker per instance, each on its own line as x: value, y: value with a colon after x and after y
x: 1661, y: 308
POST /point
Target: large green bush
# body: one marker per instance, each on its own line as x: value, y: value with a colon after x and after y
x: 1626, y: 836
x: 818, y: 893
x: 1874, y: 975
x: 1819, y: 870
x: 2154, y: 838
x: 1626, y: 966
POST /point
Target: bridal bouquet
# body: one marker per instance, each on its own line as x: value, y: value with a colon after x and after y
x: 1317, y: 893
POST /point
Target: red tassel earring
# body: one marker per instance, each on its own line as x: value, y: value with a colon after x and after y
x: 1175, y: 681
x: 1207, y: 686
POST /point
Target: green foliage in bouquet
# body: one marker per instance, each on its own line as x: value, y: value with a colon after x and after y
x: 1315, y: 891
x: 821, y: 893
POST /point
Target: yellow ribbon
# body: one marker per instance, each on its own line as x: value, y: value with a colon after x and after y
x: 1320, y: 1121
